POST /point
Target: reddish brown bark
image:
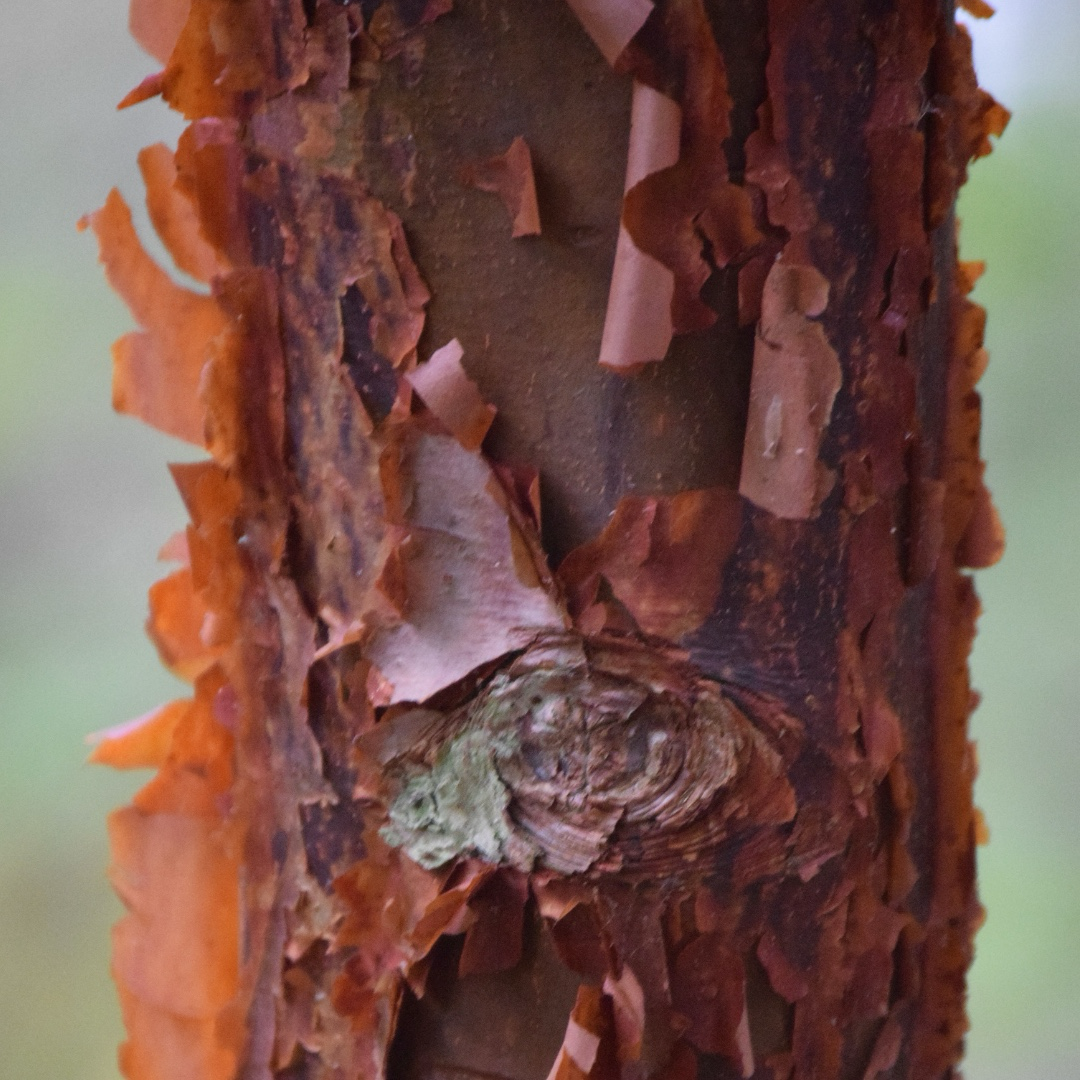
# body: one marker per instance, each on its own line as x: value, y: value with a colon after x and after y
x: 625, y: 738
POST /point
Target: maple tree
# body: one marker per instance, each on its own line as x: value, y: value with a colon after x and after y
x: 573, y: 593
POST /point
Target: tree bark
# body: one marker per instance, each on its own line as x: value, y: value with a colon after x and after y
x: 625, y: 733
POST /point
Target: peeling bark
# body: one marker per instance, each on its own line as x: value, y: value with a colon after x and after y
x: 554, y: 717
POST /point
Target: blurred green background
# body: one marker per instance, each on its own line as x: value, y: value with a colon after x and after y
x: 85, y: 501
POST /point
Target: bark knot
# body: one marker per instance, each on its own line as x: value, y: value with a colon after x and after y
x: 599, y: 756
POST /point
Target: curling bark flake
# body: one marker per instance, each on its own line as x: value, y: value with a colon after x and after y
x: 672, y: 781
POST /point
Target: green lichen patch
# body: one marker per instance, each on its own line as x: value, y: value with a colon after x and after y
x: 459, y: 805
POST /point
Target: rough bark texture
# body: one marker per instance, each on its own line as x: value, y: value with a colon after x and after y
x: 624, y: 735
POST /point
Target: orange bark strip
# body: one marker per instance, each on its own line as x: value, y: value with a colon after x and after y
x: 586, y: 1029
x: 142, y: 743
x: 192, y: 80
x: 983, y: 543
x: 157, y: 372
x: 225, y: 50
x: 464, y: 546
x: 174, y: 216
x: 149, y: 88
x: 662, y: 557
x: 156, y: 25
x: 628, y: 1005
x: 672, y: 213
x: 198, y: 771
x: 207, y: 161
x: 164, y: 1046
x: 637, y: 324
x: 397, y: 319
x: 796, y: 377
x: 177, y: 850
x: 212, y: 500
x: 177, y: 619
x: 177, y: 950
x: 452, y: 396
x: 510, y: 176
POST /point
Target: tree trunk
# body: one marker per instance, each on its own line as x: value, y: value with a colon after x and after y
x: 623, y: 733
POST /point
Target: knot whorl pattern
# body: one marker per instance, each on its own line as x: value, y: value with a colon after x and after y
x: 598, y: 757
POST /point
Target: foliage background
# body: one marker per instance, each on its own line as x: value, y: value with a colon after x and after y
x: 85, y: 501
